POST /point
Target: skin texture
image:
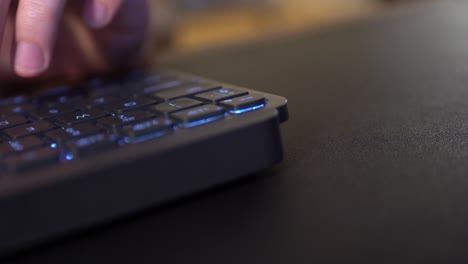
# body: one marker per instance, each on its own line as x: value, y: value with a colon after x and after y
x: 47, y: 39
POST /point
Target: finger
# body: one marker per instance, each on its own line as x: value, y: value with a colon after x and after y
x: 37, y: 22
x: 7, y: 43
x: 4, y: 8
x: 123, y: 41
x: 99, y: 13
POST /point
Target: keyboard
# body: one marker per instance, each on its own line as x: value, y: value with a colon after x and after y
x: 73, y: 157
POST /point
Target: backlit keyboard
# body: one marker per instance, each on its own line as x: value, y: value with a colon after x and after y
x: 73, y: 157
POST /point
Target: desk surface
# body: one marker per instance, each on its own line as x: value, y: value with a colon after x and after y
x: 376, y: 165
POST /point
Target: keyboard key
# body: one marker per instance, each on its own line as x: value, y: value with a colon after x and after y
x: 6, y: 149
x: 146, y: 130
x: 31, y: 159
x: 184, y: 91
x: 80, y: 117
x: 112, y: 123
x: 14, y: 100
x: 19, y: 145
x: 53, y: 111
x: 176, y: 105
x: 199, y: 115
x: 59, y: 136
x: 166, y: 84
x: 132, y: 76
x: 10, y: 121
x: 28, y: 129
x: 89, y: 145
x: 129, y: 104
x: 99, y: 86
x: 16, y: 109
x: 98, y: 101
x: 220, y: 94
x: 244, y: 104
x: 154, y: 79
x: 59, y: 95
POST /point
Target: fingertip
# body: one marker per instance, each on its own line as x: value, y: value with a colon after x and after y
x: 30, y: 60
x: 96, y: 14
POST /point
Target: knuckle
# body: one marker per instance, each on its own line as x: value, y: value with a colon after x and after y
x: 35, y: 16
x: 33, y: 9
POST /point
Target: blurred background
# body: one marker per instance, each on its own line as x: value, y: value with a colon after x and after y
x: 187, y: 25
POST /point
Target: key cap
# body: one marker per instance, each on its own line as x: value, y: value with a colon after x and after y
x: 19, y: 145
x: 59, y: 136
x: 154, y: 79
x: 176, y: 105
x: 53, y: 111
x: 10, y: 121
x: 6, y: 149
x: 166, y: 84
x: 112, y: 123
x: 199, y: 115
x: 98, y: 101
x: 129, y: 104
x: 244, y: 104
x: 80, y: 117
x: 31, y: 159
x: 133, y: 76
x: 99, y: 87
x: 89, y: 145
x: 59, y: 95
x: 16, y: 109
x: 184, y: 91
x: 20, y: 99
x: 146, y: 130
x: 220, y: 94
x: 28, y: 129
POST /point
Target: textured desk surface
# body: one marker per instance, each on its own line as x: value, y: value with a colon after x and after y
x: 376, y: 166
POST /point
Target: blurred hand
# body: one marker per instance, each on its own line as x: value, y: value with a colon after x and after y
x: 59, y: 38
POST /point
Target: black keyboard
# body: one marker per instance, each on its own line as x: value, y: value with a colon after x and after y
x: 74, y: 157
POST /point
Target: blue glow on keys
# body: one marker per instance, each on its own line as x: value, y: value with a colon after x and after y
x: 69, y: 156
x: 241, y: 111
x: 147, y: 137
x: 53, y: 145
x: 201, y: 122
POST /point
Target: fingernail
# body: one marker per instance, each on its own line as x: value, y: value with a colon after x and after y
x: 96, y: 14
x: 30, y: 59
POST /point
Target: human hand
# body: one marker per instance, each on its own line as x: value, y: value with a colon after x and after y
x: 59, y: 38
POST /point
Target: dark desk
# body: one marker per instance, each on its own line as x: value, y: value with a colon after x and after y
x: 376, y: 166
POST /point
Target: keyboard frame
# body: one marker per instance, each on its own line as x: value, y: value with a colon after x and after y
x: 58, y: 200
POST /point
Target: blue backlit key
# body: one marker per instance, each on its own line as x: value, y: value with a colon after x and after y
x: 243, y: 104
x: 89, y: 145
x: 220, y: 94
x: 146, y: 130
x: 199, y: 115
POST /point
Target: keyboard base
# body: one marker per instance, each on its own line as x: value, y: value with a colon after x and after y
x: 99, y: 193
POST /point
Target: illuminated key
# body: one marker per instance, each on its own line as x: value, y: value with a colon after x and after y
x: 199, y: 115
